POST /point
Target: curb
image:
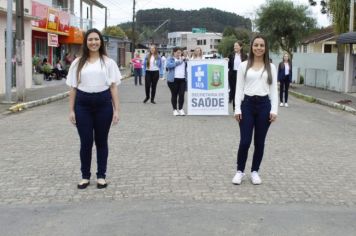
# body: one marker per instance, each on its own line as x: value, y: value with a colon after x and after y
x: 43, y: 101
x: 323, y: 102
x: 21, y: 106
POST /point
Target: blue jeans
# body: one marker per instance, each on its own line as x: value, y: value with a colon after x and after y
x: 93, y: 112
x: 255, y: 111
x: 138, y: 74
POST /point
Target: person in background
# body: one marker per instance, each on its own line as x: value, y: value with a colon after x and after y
x: 94, y: 103
x: 59, y: 71
x: 137, y: 65
x: 47, y: 70
x: 176, y: 80
x: 152, y: 70
x: 284, y: 78
x: 235, y: 58
x: 164, y: 61
x: 197, y: 54
x: 256, y: 102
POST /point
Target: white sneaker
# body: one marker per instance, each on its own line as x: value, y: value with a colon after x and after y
x: 281, y: 104
x: 238, y: 177
x: 175, y: 113
x: 255, y: 178
x: 181, y: 112
x: 286, y: 105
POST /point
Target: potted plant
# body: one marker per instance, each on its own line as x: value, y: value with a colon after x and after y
x: 36, y: 74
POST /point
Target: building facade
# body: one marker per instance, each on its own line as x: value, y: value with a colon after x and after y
x: 208, y: 42
x: 27, y: 40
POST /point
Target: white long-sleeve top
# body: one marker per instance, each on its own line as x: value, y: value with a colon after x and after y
x: 255, y: 84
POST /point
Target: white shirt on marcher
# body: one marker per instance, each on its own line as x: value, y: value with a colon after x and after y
x: 94, y: 77
x: 286, y: 68
x: 179, y: 71
x: 255, y: 84
x: 237, y: 61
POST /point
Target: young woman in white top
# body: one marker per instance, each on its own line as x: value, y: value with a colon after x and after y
x: 284, y: 78
x: 94, y: 103
x: 152, y: 70
x: 235, y: 58
x: 176, y: 80
x: 256, y: 108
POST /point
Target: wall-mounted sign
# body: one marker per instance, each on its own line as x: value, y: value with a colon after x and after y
x: 50, y: 19
x: 52, y: 40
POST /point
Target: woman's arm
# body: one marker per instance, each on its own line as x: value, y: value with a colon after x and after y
x: 72, y: 94
x: 115, y: 102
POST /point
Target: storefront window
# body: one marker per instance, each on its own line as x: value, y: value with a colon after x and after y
x: 41, y: 48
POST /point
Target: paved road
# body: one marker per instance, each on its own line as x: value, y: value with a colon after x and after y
x: 157, y: 158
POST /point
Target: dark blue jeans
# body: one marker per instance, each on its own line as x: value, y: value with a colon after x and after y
x: 138, y: 75
x: 93, y: 112
x: 255, y: 112
x: 284, y: 87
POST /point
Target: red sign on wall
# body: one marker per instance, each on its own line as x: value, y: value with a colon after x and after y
x: 50, y: 19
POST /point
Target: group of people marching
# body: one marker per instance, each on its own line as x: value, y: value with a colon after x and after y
x: 94, y: 101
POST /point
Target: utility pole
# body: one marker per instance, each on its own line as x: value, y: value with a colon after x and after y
x: 352, y: 15
x: 9, y: 46
x: 133, y: 28
x: 20, y: 51
x: 106, y: 18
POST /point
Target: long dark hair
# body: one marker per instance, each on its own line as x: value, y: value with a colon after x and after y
x: 243, y: 56
x: 289, y: 61
x: 85, y: 52
x: 251, y: 58
x: 155, y: 54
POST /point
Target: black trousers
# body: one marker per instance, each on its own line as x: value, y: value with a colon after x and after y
x: 93, y: 113
x: 232, y: 85
x: 177, y: 88
x: 151, y: 80
x: 284, y: 87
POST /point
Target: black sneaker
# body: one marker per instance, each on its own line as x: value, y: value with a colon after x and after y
x: 146, y: 99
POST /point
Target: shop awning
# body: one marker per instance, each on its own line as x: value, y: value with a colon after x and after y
x: 347, y: 38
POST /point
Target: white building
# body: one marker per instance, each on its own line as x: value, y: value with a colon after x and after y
x: 27, y: 40
x: 208, y: 42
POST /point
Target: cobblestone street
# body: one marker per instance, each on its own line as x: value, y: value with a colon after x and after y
x: 309, y: 156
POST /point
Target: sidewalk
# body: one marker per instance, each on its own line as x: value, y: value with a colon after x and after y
x: 342, y: 101
x: 49, y: 91
x: 54, y: 90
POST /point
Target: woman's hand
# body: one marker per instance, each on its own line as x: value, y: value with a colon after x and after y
x: 238, y: 117
x: 272, y: 117
x: 115, y: 118
x: 72, y: 117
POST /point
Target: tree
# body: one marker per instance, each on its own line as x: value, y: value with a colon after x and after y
x: 226, y: 46
x: 284, y: 24
x: 114, y: 31
x: 232, y: 35
x: 339, y: 11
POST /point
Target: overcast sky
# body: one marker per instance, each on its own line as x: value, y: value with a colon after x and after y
x: 121, y: 10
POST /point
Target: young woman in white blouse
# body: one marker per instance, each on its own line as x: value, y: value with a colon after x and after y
x: 256, y: 102
x: 94, y: 103
x: 152, y: 71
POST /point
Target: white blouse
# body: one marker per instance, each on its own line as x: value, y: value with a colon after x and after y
x: 255, y: 83
x: 94, y: 77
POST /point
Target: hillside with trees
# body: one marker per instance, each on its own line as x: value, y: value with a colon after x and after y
x: 212, y: 20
